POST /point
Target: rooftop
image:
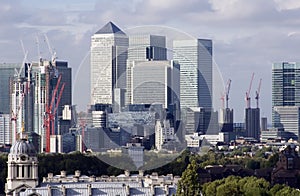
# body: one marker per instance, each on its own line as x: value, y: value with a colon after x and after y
x: 110, y: 28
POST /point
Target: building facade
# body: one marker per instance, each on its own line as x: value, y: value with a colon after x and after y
x: 252, y: 122
x: 145, y: 47
x: 109, y: 48
x: 288, y: 118
x: 150, y: 82
x: 286, y: 95
x: 195, y: 60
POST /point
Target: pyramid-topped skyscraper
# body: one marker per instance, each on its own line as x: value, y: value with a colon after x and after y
x: 109, y: 47
x: 110, y: 28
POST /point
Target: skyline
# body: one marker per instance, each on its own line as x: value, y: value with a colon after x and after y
x: 238, y: 39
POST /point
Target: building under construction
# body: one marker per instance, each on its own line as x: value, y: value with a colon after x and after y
x: 37, y: 92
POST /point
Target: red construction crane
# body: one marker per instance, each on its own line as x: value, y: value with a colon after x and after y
x: 257, y: 94
x: 247, y: 98
x: 51, y: 112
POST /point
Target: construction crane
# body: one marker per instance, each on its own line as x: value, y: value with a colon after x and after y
x: 257, y: 94
x: 227, y: 91
x: 247, y: 98
x: 51, y: 112
x: 19, y: 91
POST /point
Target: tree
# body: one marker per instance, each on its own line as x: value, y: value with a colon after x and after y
x: 189, y: 184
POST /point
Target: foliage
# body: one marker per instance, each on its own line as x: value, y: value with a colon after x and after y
x: 189, y: 184
x: 234, y: 185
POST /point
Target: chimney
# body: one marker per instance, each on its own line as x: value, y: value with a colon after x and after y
x: 127, y: 173
x: 63, y: 174
x: 89, y: 186
x: 77, y: 173
x: 141, y: 173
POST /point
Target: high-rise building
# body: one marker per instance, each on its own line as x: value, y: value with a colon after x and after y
x: 108, y: 63
x: 252, y: 122
x: 7, y: 72
x: 5, y: 133
x: 66, y: 98
x: 285, y: 84
x: 195, y: 60
x: 152, y: 82
x: 226, y: 120
x: 144, y: 47
x: 288, y: 118
x: 286, y: 93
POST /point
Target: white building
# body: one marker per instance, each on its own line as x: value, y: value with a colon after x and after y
x: 163, y: 133
x: 150, y: 82
x: 288, y: 118
x: 22, y: 167
x: 195, y: 60
x: 5, y: 133
x: 108, y: 63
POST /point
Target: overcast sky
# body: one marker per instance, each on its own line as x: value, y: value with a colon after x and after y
x: 247, y: 35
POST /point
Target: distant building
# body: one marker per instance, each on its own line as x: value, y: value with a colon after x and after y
x: 22, y: 178
x: 263, y: 124
x: 152, y: 82
x: 287, y: 170
x: 252, y: 122
x: 146, y: 47
x: 195, y: 59
x: 226, y: 120
x: 136, y: 153
x: 197, y: 120
x: 163, y: 133
x: 285, y: 88
x: 5, y: 133
x: 109, y: 48
x: 7, y: 72
x: 288, y: 118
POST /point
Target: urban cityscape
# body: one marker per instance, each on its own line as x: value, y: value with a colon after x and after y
x: 148, y: 111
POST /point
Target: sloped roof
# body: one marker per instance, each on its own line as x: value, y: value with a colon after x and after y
x: 110, y: 28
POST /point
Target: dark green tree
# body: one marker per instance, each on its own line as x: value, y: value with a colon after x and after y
x: 189, y: 184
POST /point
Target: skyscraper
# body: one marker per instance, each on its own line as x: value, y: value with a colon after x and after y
x: 144, y: 47
x: 285, y: 84
x: 152, y: 82
x: 7, y: 72
x: 285, y: 93
x: 252, y: 122
x: 195, y: 59
x: 66, y: 98
x: 108, y: 63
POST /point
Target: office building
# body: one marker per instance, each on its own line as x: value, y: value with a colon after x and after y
x: 164, y: 133
x: 7, y: 72
x: 285, y: 84
x: 195, y: 60
x: 264, y: 123
x: 226, y: 120
x: 153, y: 82
x: 66, y: 98
x: 146, y: 47
x: 285, y: 94
x: 252, y: 123
x: 5, y: 134
x: 288, y: 118
x: 108, y: 63
x: 197, y: 120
